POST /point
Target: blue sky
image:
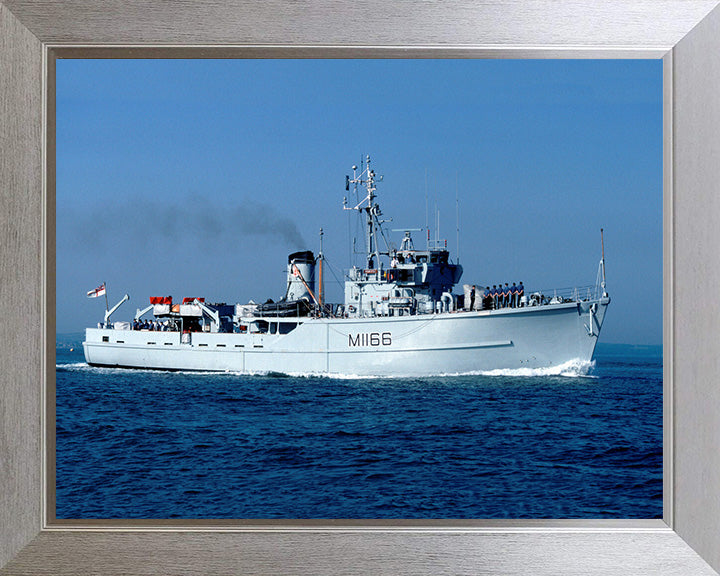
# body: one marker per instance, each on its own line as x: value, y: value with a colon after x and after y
x: 198, y: 177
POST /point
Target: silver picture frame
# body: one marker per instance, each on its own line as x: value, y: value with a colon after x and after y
x: 685, y: 34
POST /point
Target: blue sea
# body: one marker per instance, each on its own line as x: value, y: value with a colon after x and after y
x: 148, y: 444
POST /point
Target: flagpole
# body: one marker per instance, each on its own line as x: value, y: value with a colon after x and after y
x: 107, y: 306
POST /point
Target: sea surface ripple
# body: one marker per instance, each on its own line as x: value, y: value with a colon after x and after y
x: 146, y: 444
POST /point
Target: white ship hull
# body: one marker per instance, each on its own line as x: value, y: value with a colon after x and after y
x: 417, y: 345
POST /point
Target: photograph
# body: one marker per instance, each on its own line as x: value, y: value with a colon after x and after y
x: 359, y: 289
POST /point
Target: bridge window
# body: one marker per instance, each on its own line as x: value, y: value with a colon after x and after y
x: 259, y: 327
x: 287, y: 327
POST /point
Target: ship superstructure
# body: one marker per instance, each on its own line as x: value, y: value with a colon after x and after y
x: 414, y: 282
x: 399, y: 317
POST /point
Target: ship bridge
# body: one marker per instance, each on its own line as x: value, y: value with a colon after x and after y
x: 416, y: 282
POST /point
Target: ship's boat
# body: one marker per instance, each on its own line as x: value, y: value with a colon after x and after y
x: 284, y: 308
x: 399, y: 316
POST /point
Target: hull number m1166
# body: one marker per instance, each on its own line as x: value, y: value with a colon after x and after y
x: 370, y: 339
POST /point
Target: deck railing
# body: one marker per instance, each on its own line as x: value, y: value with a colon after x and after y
x: 557, y: 295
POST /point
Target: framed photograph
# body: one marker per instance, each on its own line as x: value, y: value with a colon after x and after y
x: 680, y: 34
x: 344, y: 373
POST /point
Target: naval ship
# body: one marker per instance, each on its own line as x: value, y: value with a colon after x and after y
x: 400, y: 317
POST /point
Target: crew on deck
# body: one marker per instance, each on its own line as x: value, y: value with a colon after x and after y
x: 498, y: 296
x: 488, y: 300
x: 155, y: 325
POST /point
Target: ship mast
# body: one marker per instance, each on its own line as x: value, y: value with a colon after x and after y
x: 600, y: 281
x: 368, y: 206
x: 602, y: 262
x: 321, y: 258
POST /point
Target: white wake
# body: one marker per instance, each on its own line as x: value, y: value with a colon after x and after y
x: 572, y: 368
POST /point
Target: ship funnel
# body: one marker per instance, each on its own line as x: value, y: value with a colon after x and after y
x: 301, y: 266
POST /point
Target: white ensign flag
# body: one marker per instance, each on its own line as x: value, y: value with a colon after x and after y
x: 99, y: 291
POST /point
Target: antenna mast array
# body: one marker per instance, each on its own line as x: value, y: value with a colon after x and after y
x: 367, y: 178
